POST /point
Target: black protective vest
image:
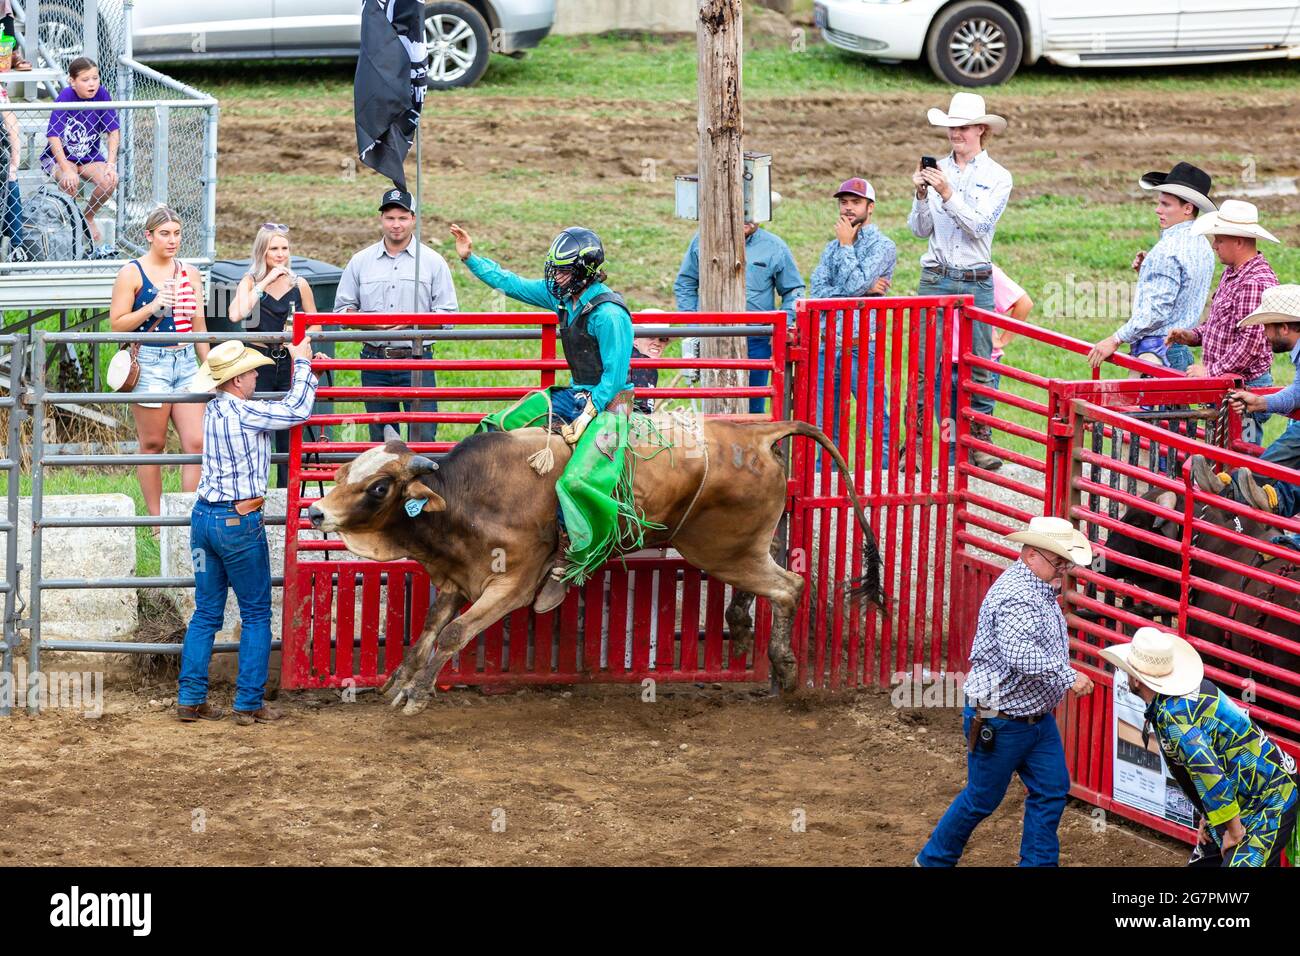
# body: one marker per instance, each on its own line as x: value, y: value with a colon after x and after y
x: 581, y: 350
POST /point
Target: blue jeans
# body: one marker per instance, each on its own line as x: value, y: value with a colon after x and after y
x: 1179, y: 357
x: 834, y: 430
x: 416, y: 431
x: 1286, y: 451
x: 938, y: 283
x: 13, y: 224
x: 758, y: 347
x: 1035, y: 752
x: 229, y: 551
x: 1252, y: 424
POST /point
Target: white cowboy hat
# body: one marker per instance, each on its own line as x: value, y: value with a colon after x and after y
x: 1234, y: 218
x: 967, y: 109
x: 1164, y: 662
x: 1278, y: 304
x: 1057, y: 536
x: 225, y: 361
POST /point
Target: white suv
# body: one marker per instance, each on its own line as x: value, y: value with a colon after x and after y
x: 982, y: 42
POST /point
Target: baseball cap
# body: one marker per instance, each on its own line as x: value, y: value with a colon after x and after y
x: 857, y: 186
x: 397, y: 197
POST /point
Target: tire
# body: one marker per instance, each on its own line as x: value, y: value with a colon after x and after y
x: 958, y: 47
x: 458, y: 43
x: 65, y: 42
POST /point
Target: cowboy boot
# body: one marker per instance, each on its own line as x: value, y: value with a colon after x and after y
x: 555, y: 588
x: 1250, y: 492
x: 1206, y: 478
x: 978, y: 457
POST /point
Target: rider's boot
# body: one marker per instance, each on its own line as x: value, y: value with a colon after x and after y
x: 555, y: 587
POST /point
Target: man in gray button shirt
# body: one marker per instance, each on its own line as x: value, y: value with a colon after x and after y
x: 381, y: 278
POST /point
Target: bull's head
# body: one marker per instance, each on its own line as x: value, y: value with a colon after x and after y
x: 375, y: 492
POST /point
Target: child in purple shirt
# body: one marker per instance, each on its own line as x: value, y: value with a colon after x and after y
x: 83, y: 143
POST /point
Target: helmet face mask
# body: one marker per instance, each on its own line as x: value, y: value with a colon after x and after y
x: 577, y: 253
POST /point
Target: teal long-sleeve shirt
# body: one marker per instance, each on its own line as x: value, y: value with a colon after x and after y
x: 607, y: 322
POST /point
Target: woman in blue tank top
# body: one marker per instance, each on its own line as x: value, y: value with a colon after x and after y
x: 156, y: 283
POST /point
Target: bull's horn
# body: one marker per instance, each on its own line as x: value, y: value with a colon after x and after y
x: 419, y: 465
x: 391, y: 434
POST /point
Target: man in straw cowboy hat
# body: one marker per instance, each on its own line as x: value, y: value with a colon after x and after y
x: 1173, y: 278
x: 1242, y: 783
x: 227, y: 536
x: 1279, y: 316
x: 1019, y: 672
x: 957, y: 205
x: 1234, y: 232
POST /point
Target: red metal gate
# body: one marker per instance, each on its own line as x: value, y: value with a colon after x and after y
x: 651, y: 615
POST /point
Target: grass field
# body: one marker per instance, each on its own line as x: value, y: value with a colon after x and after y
x: 593, y: 130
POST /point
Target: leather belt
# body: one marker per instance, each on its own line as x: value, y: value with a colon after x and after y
x: 382, y: 351
x: 963, y: 275
x: 1032, y: 719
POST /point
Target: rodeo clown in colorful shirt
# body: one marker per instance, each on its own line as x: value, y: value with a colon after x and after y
x: 1242, y: 783
x: 595, y: 489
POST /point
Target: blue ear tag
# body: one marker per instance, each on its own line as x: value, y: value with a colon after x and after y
x: 414, y: 506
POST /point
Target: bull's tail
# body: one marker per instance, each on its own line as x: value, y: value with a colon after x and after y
x: 869, y: 585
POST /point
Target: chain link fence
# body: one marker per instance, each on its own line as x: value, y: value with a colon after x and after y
x: 79, y: 179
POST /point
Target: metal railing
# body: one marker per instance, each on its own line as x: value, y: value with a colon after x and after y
x: 10, y: 465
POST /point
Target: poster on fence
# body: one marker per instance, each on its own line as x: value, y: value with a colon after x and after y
x: 1140, y: 779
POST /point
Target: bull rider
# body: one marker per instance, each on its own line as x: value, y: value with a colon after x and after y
x: 597, y: 512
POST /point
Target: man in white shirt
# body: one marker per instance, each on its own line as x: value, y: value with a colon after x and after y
x: 381, y: 278
x: 957, y: 205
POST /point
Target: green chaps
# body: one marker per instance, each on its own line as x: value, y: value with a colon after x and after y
x: 595, y: 489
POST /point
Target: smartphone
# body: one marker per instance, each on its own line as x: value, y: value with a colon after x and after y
x: 929, y: 162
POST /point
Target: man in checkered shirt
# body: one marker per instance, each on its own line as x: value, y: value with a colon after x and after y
x: 1019, y: 672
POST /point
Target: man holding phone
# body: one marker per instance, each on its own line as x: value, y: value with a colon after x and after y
x: 859, y: 261
x: 959, y: 199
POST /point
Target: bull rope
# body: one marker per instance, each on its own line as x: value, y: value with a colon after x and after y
x: 693, y: 423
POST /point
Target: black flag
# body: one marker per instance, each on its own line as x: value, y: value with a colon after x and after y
x: 390, y: 83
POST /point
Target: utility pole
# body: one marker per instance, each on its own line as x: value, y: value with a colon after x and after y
x: 721, y: 191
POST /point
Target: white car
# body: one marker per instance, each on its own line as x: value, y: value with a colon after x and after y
x: 982, y: 42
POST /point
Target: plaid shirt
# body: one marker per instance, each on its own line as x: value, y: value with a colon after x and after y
x: 1172, y: 285
x: 1228, y: 349
x: 1020, y: 658
x: 237, y: 437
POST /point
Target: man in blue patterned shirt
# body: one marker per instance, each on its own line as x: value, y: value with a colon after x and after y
x: 227, y: 535
x: 858, y: 262
x: 1173, y: 278
x: 1019, y: 672
x: 1243, y: 785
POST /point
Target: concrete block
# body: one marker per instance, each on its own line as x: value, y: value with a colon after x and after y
x: 99, y: 614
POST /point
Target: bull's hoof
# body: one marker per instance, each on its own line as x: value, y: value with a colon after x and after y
x: 390, y: 683
x: 742, y: 640
x: 416, y: 702
x: 785, y: 674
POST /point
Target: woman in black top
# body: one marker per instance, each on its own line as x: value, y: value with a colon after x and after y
x: 265, y: 301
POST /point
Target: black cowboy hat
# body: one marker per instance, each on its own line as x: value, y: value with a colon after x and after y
x: 1184, y: 181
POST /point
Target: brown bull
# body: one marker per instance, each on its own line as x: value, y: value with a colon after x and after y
x: 487, y: 532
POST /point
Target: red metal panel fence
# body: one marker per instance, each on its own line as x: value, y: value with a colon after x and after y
x: 348, y: 622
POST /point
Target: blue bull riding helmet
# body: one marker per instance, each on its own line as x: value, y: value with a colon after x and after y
x: 579, y: 253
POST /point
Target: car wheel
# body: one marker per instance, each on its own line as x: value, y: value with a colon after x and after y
x: 458, y: 45
x: 61, y: 33
x: 974, y: 44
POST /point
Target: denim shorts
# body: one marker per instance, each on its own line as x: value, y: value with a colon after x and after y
x: 165, y: 370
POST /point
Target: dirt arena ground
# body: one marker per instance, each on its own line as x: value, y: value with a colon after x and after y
x: 583, y: 776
